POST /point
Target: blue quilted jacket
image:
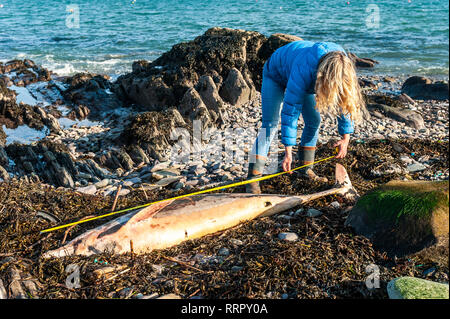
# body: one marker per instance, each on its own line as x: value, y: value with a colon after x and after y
x: 294, y: 66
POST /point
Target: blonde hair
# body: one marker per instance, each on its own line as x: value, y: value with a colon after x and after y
x: 337, y: 88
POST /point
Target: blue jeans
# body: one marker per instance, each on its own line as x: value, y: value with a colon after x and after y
x: 272, y: 95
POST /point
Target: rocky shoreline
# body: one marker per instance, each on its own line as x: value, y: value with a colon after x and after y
x: 186, y: 121
x: 95, y: 135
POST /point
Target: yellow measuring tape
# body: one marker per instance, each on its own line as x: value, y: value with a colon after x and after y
x: 186, y: 195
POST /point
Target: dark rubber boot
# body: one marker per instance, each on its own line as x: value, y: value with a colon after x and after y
x: 306, y: 155
x: 255, y: 170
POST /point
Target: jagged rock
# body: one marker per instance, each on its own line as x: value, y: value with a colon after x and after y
x: 139, y: 66
x: 15, y: 288
x: 4, y: 160
x: 2, y: 141
x: 235, y: 89
x: 164, y: 82
x: 26, y: 71
x: 125, y: 160
x: 416, y: 288
x: 79, y: 112
x: 193, y: 108
x: 404, y: 98
x: 138, y: 155
x: 365, y: 83
x: 62, y: 176
x: 12, y: 114
x: 96, y: 169
x: 362, y: 62
x: 92, y: 91
x: 405, y: 217
x: 152, y: 131
x: 3, y: 174
x: 28, y: 167
x: 3, y: 294
x: 209, y: 93
x: 384, y: 100
x: 409, y: 117
x: 422, y: 88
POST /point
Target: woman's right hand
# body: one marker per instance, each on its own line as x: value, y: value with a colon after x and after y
x: 287, y: 161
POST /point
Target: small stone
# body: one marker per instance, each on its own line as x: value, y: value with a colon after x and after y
x: 90, y: 190
x: 166, y: 173
x: 159, y: 166
x: 158, y: 269
x: 236, y: 242
x: 416, y: 167
x: 178, y: 185
x: 103, y: 183
x: 125, y: 293
x: 313, y: 213
x: 167, y: 181
x: 223, y: 251
x: 124, y: 192
x: 236, y: 268
x: 335, y: 204
x: 226, y: 177
x: 288, y: 236
x: 285, y: 218
x: 132, y: 181
x: 406, y: 159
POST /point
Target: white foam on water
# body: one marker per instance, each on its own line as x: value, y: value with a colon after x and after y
x: 23, y: 95
x: 66, y: 122
x: 24, y: 134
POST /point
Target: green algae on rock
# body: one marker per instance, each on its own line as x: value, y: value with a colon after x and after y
x: 416, y: 288
x: 403, y: 217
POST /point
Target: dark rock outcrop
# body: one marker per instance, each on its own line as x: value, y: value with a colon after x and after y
x: 50, y: 161
x: 12, y: 114
x: 422, y: 88
x: 90, y: 93
x: 394, y: 108
x: 2, y: 139
x: 26, y: 72
x: 222, y: 65
x: 362, y: 62
x: 152, y: 130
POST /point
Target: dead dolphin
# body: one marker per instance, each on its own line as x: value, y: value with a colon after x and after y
x: 169, y: 223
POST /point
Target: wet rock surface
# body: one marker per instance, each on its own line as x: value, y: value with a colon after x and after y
x: 423, y: 88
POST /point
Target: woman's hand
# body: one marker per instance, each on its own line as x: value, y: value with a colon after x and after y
x: 343, y: 145
x: 287, y: 161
